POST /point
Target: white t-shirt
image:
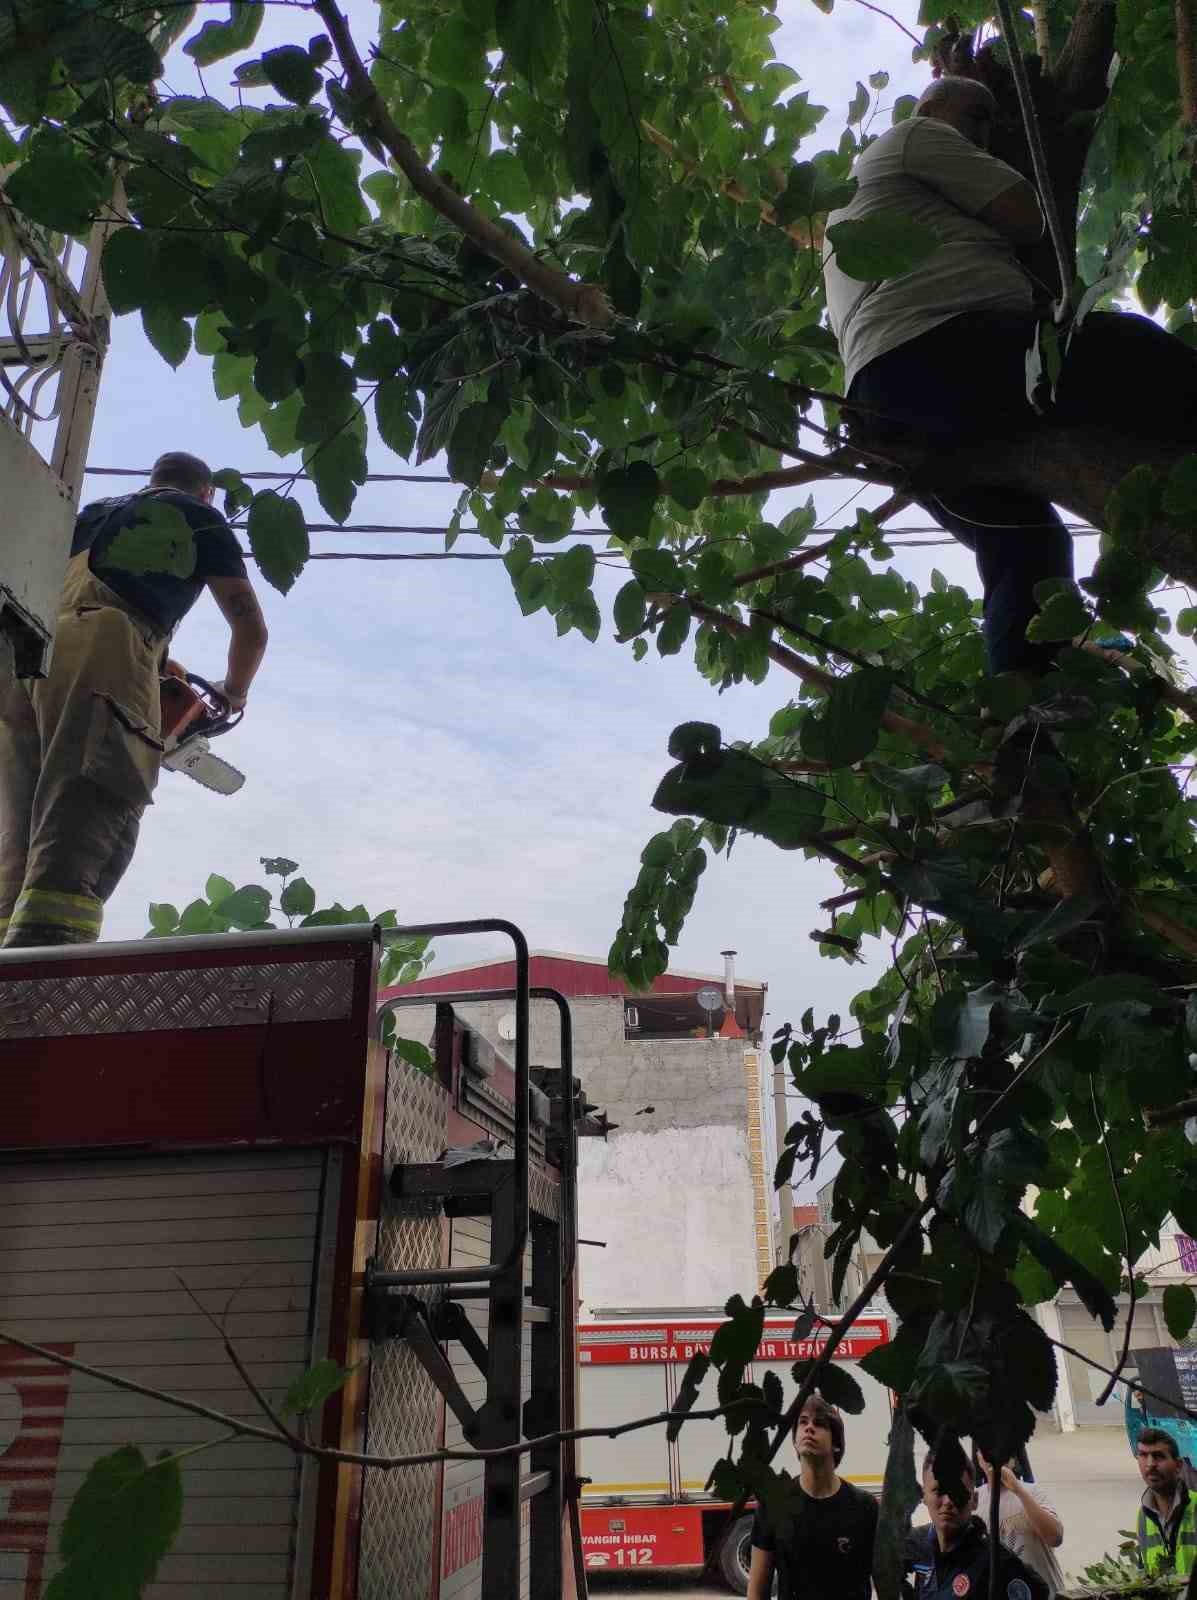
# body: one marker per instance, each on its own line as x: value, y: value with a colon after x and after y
x: 927, y: 171
x: 1017, y: 1534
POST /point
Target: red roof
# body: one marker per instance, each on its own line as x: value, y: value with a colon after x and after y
x: 580, y: 977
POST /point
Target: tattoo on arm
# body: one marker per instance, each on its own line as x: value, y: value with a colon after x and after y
x: 243, y: 606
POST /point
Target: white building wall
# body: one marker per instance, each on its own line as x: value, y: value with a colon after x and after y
x: 675, y: 1209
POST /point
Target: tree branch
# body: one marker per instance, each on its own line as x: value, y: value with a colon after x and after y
x: 1186, y: 61
x: 1166, y: 1116
x: 290, y: 1441
x: 582, y: 302
x: 917, y: 732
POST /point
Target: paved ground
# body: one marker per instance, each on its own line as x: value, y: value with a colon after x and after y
x: 1089, y: 1474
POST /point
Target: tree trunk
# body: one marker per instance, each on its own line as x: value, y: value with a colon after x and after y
x: 1077, y: 468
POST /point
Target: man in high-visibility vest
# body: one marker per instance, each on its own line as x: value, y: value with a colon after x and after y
x: 1168, y: 1512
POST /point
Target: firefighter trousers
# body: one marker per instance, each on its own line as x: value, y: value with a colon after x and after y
x: 79, y: 759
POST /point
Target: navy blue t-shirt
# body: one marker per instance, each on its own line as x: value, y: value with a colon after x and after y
x: 162, y: 597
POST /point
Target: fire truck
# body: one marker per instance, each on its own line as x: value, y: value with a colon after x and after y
x: 204, y: 1137
x: 644, y: 1501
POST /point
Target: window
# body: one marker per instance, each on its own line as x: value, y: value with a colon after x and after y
x: 668, y: 1016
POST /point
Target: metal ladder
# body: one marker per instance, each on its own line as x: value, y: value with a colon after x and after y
x: 500, y: 1190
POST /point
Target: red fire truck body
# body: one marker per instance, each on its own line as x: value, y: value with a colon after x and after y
x: 203, y: 1136
x: 646, y: 1503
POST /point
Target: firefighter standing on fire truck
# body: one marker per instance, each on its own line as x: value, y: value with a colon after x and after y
x: 80, y: 750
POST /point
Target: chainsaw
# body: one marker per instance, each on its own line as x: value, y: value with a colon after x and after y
x: 194, y: 713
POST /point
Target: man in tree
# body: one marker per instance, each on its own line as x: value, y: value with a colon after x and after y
x: 1167, y: 1528
x: 937, y: 356
x: 829, y: 1555
x: 950, y: 1559
x: 80, y: 750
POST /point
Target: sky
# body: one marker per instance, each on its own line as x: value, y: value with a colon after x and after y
x: 415, y: 743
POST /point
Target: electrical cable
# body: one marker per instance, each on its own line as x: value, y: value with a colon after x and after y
x: 1062, y: 310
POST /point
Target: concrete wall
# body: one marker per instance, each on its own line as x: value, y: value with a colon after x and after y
x: 671, y: 1191
x: 692, y: 1083
x: 675, y: 1210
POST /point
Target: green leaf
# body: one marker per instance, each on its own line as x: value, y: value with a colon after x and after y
x: 278, y: 538
x: 246, y: 908
x: 160, y: 540
x: 1180, y: 1310
x: 291, y: 71
x: 1062, y: 617
x: 473, y: 441
x: 396, y: 425
x: 335, y: 171
x: 1134, y: 505
x: 415, y: 1054
x: 847, y: 729
x: 630, y: 609
x: 696, y: 1370
x: 129, y: 265
x: 674, y: 630
x: 123, y: 1520
x: 1180, y: 491
x: 298, y: 899
x: 836, y: 1384
x: 887, y: 245
x: 1065, y: 1268
x: 169, y: 334
x: 688, y: 486
x: 218, y: 888
x: 1061, y: 919
x: 278, y: 866
x: 57, y: 184
x: 313, y: 1388
x: 628, y: 496
x: 573, y: 572
x: 198, y: 918
x: 216, y: 40
x: 529, y: 34
x: 164, y: 918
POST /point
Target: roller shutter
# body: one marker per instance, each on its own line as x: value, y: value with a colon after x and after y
x: 89, y: 1252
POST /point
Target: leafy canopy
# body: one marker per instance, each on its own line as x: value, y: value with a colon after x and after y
x: 345, y: 247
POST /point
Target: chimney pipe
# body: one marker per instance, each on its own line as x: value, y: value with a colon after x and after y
x: 729, y: 979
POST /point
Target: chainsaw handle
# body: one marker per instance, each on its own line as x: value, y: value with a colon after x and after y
x: 220, y: 716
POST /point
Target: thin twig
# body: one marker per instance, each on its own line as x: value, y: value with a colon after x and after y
x: 889, y: 17
x: 231, y: 1352
x: 249, y: 1430
x: 1126, y: 1246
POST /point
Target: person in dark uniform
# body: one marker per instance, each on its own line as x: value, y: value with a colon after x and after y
x: 80, y: 750
x: 829, y: 1554
x: 950, y: 1559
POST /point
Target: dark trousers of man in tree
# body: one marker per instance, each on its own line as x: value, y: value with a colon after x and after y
x: 963, y: 384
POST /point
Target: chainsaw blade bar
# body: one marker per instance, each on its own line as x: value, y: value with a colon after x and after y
x: 195, y: 760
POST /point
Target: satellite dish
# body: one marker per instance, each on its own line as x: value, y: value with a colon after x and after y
x: 506, y: 1026
x: 710, y: 999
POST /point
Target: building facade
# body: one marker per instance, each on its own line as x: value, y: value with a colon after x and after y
x: 676, y: 1204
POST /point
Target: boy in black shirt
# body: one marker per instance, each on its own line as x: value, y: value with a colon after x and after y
x: 829, y: 1553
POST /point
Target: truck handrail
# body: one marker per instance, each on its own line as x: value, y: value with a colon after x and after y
x: 520, y: 993
x: 569, y: 1176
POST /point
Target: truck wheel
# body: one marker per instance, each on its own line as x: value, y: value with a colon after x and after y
x: 735, y: 1555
